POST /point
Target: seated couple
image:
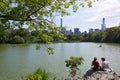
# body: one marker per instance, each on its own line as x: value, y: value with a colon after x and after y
x: 104, y: 65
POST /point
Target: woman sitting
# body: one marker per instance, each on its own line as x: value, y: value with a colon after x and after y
x: 95, y: 64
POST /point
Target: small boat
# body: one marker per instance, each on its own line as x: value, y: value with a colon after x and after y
x: 100, y: 45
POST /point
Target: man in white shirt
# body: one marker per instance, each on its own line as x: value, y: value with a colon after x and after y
x: 105, y: 65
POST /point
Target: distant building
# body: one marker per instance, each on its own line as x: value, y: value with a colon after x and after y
x: 103, y: 25
x: 66, y: 32
x: 76, y: 31
x: 61, y: 22
x: 85, y: 32
x: 71, y: 31
x: 91, y: 30
x: 63, y: 29
x: 97, y: 30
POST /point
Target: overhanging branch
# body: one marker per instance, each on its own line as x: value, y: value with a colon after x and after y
x: 40, y: 6
x: 28, y: 18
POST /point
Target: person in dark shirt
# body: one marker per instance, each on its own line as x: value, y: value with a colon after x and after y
x: 95, y: 64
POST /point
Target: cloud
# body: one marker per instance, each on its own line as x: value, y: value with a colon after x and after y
x: 103, y: 8
x: 86, y: 17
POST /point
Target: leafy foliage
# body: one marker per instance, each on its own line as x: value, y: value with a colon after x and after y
x: 50, y: 50
x: 37, y: 15
x: 37, y: 47
x: 112, y: 35
x: 40, y: 74
x: 33, y: 77
x: 17, y: 39
x: 74, y: 62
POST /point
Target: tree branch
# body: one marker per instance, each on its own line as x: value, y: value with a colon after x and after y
x: 28, y: 18
x: 35, y: 11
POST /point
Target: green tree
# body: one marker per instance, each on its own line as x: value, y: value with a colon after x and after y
x: 1, y: 34
x: 5, y: 34
x: 22, y: 32
x: 98, y: 36
x: 39, y: 74
x: 17, y: 39
x: 37, y: 14
x: 112, y: 35
x: 74, y: 38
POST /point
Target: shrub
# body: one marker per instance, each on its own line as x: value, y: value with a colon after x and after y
x: 40, y: 74
x: 73, y: 64
x: 17, y: 39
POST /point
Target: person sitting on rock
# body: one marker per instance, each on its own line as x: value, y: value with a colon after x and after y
x: 105, y: 65
x: 95, y: 64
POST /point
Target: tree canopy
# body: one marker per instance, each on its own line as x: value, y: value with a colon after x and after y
x: 37, y: 14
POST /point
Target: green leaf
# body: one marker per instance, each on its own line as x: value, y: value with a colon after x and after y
x: 82, y: 4
x: 90, y: 3
x: 50, y: 50
x: 3, y: 6
x: 37, y: 47
x: 67, y: 5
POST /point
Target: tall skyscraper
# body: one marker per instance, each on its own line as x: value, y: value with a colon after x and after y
x: 61, y: 22
x: 103, y: 21
x: 103, y: 25
x: 63, y: 29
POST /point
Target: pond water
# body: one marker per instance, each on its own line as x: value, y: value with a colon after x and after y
x: 19, y: 60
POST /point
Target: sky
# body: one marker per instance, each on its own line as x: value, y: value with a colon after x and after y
x: 86, y: 17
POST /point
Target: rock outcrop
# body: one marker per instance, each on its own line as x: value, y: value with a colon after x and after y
x: 103, y: 75
x: 97, y: 75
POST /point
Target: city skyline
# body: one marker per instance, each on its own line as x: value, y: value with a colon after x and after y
x: 86, y: 18
x: 102, y: 28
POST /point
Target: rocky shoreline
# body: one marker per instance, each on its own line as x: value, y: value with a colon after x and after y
x: 98, y: 75
x: 103, y: 75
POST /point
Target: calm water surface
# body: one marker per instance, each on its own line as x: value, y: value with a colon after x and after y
x: 17, y: 61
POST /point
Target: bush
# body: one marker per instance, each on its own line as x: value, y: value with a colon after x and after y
x: 73, y: 64
x: 17, y: 39
x: 33, y: 77
x: 40, y: 74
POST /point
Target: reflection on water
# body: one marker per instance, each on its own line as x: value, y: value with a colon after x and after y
x: 19, y: 60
